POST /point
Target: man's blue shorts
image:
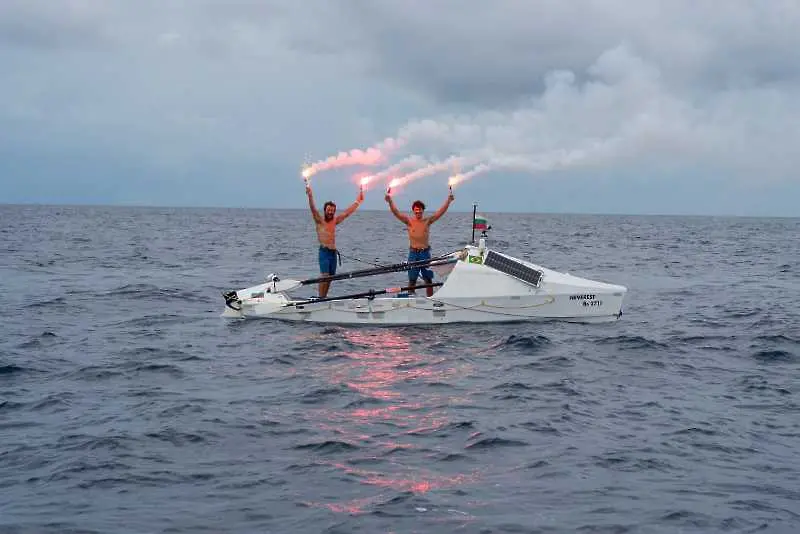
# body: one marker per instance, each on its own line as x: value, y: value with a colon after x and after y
x: 327, y: 260
x: 419, y: 255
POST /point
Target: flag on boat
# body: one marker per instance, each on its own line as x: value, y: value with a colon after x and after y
x: 479, y: 223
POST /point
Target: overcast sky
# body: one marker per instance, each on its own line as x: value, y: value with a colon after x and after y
x: 610, y: 106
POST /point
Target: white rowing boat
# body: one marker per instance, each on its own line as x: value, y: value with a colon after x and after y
x: 480, y: 286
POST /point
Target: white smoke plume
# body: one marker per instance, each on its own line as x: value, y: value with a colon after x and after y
x: 447, y: 165
x: 623, y: 113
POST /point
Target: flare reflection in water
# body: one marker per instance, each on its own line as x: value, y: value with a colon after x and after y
x: 403, y: 396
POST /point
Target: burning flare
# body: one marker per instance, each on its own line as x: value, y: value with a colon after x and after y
x: 478, y: 169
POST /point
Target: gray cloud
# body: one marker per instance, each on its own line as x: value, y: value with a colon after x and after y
x: 60, y: 24
x: 489, y: 53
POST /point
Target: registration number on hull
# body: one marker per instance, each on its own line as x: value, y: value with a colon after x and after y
x: 587, y: 300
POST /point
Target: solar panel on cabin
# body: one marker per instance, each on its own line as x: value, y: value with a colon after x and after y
x: 513, y: 268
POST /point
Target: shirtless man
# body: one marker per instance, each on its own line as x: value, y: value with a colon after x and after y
x: 326, y: 233
x: 419, y: 247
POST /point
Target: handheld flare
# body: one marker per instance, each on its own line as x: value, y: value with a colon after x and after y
x: 306, y: 173
x: 453, y: 181
x: 392, y: 184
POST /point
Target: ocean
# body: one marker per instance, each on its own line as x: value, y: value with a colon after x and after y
x: 128, y: 405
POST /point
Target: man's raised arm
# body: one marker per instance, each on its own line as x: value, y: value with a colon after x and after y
x: 352, y: 208
x: 401, y: 217
x: 312, y: 207
x: 441, y: 211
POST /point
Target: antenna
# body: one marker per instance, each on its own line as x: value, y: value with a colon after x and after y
x: 474, y: 211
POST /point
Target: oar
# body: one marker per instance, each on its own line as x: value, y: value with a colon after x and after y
x: 405, y: 266
x: 276, y: 285
x: 368, y: 294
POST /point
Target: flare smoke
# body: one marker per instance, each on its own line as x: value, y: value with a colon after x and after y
x: 372, y: 156
x: 433, y: 168
x: 463, y: 177
x: 408, y: 163
x: 620, y: 114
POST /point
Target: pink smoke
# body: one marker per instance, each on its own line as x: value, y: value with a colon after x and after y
x: 372, y: 156
x: 408, y: 163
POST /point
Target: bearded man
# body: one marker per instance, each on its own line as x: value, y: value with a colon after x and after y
x: 326, y: 233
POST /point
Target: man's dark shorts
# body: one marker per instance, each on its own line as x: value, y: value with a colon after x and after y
x: 327, y: 260
x: 419, y: 255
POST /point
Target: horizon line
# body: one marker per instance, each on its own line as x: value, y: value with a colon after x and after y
x: 211, y: 207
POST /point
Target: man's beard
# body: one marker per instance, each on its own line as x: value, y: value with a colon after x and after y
x: 328, y: 218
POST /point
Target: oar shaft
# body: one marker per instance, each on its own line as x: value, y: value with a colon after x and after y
x: 364, y: 294
x: 380, y: 270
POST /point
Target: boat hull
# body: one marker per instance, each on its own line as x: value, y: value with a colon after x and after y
x: 430, y: 310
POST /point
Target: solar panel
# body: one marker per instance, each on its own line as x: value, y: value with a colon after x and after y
x: 513, y: 268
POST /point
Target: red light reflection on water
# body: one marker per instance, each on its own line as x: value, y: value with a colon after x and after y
x: 382, y: 363
x: 389, y: 485
x: 421, y: 483
x: 386, y: 361
x: 417, y: 483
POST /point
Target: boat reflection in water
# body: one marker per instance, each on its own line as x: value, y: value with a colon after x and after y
x: 402, y: 436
